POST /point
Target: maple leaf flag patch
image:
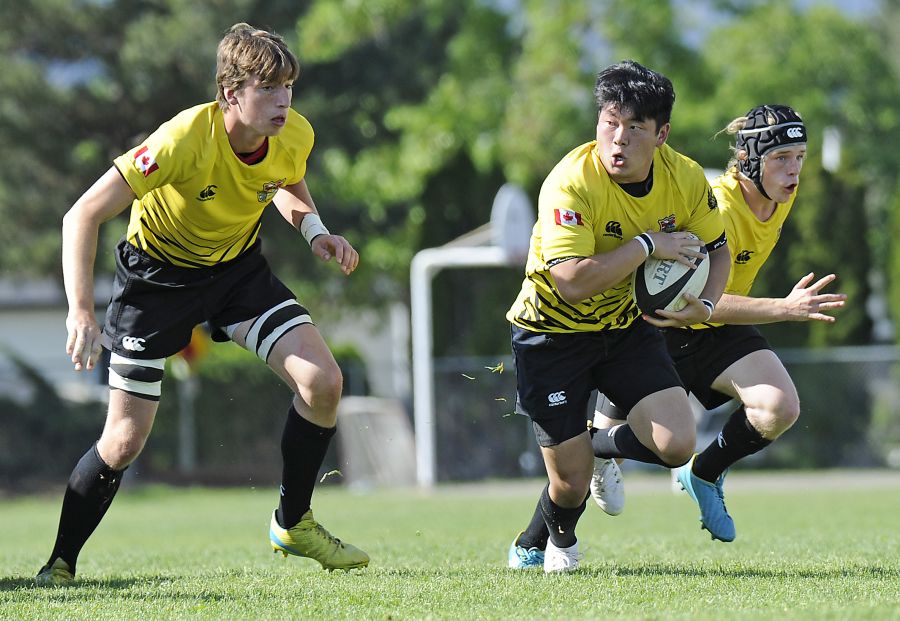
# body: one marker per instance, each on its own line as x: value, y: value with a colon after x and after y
x: 145, y: 161
x: 567, y: 217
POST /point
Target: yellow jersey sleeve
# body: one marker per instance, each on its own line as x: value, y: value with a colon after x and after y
x: 565, y: 220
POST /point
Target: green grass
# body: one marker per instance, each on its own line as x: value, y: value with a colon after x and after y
x: 812, y: 546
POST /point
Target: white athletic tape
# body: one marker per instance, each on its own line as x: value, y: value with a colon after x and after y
x: 311, y: 226
x: 265, y: 348
x: 135, y: 386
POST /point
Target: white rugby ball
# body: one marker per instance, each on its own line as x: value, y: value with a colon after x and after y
x: 661, y: 283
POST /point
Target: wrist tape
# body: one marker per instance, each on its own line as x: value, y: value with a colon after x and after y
x: 311, y: 227
x: 647, y: 242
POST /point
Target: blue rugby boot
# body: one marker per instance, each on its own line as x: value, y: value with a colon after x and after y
x: 521, y: 557
x: 711, y: 499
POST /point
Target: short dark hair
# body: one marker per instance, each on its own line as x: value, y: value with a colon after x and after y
x: 631, y: 87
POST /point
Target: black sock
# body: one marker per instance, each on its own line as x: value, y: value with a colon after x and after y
x: 737, y: 439
x: 303, y: 448
x: 536, y: 535
x: 620, y: 441
x: 92, y: 486
x: 560, y: 521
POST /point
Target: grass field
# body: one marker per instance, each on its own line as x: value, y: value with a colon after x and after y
x: 810, y: 546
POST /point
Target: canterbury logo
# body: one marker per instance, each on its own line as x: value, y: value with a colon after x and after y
x: 720, y: 440
x: 743, y: 256
x: 614, y: 229
x: 556, y: 398
x: 795, y: 132
x: 208, y: 193
x: 133, y: 343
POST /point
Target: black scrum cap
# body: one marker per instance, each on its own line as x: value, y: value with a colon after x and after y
x: 768, y: 127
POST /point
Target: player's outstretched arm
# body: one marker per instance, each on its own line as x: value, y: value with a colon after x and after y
x: 108, y: 197
x: 296, y: 205
x: 805, y: 302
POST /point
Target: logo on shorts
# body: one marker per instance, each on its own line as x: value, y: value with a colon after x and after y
x: 208, y: 193
x: 556, y: 398
x: 613, y: 229
x: 133, y: 343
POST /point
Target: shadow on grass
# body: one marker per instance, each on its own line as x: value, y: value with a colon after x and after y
x: 11, y: 584
x: 87, y: 588
x: 725, y: 571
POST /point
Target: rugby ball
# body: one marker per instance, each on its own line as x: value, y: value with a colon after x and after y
x: 661, y: 283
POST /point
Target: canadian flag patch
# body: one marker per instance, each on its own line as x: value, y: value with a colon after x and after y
x: 145, y: 161
x: 567, y: 217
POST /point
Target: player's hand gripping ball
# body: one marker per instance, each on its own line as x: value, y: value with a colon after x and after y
x: 661, y: 283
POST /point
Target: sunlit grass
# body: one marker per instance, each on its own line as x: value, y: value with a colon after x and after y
x: 803, y: 552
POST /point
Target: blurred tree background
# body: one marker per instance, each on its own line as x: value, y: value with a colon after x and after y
x: 424, y: 108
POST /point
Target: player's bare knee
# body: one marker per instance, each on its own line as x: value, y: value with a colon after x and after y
x: 775, y: 417
x: 678, y: 451
x: 571, y: 490
x: 118, y: 450
x: 324, y: 392
x: 783, y: 418
x: 788, y: 413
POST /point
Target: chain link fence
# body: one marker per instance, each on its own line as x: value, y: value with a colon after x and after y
x: 850, y: 415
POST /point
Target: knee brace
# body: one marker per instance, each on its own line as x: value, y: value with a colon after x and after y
x: 272, y: 325
x: 141, y: 378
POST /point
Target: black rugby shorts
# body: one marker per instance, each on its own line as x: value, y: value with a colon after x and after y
x: 556, y: 372
x: 155, y: 305
x: 702, y: 355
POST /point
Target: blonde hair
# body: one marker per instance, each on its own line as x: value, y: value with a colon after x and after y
x: 245, y: 51
x: 731, y: 129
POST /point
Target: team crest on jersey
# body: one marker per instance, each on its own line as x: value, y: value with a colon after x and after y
x: 145, y: 161
x: 268, y: 190
x: 567, y: 217
x: 667, y: 224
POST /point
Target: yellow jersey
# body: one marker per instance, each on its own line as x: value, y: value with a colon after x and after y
x: 750, y: 240
x: 197, y: 203
x: 582, y: 212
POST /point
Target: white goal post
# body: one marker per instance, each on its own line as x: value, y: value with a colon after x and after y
x: 503, y: 242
